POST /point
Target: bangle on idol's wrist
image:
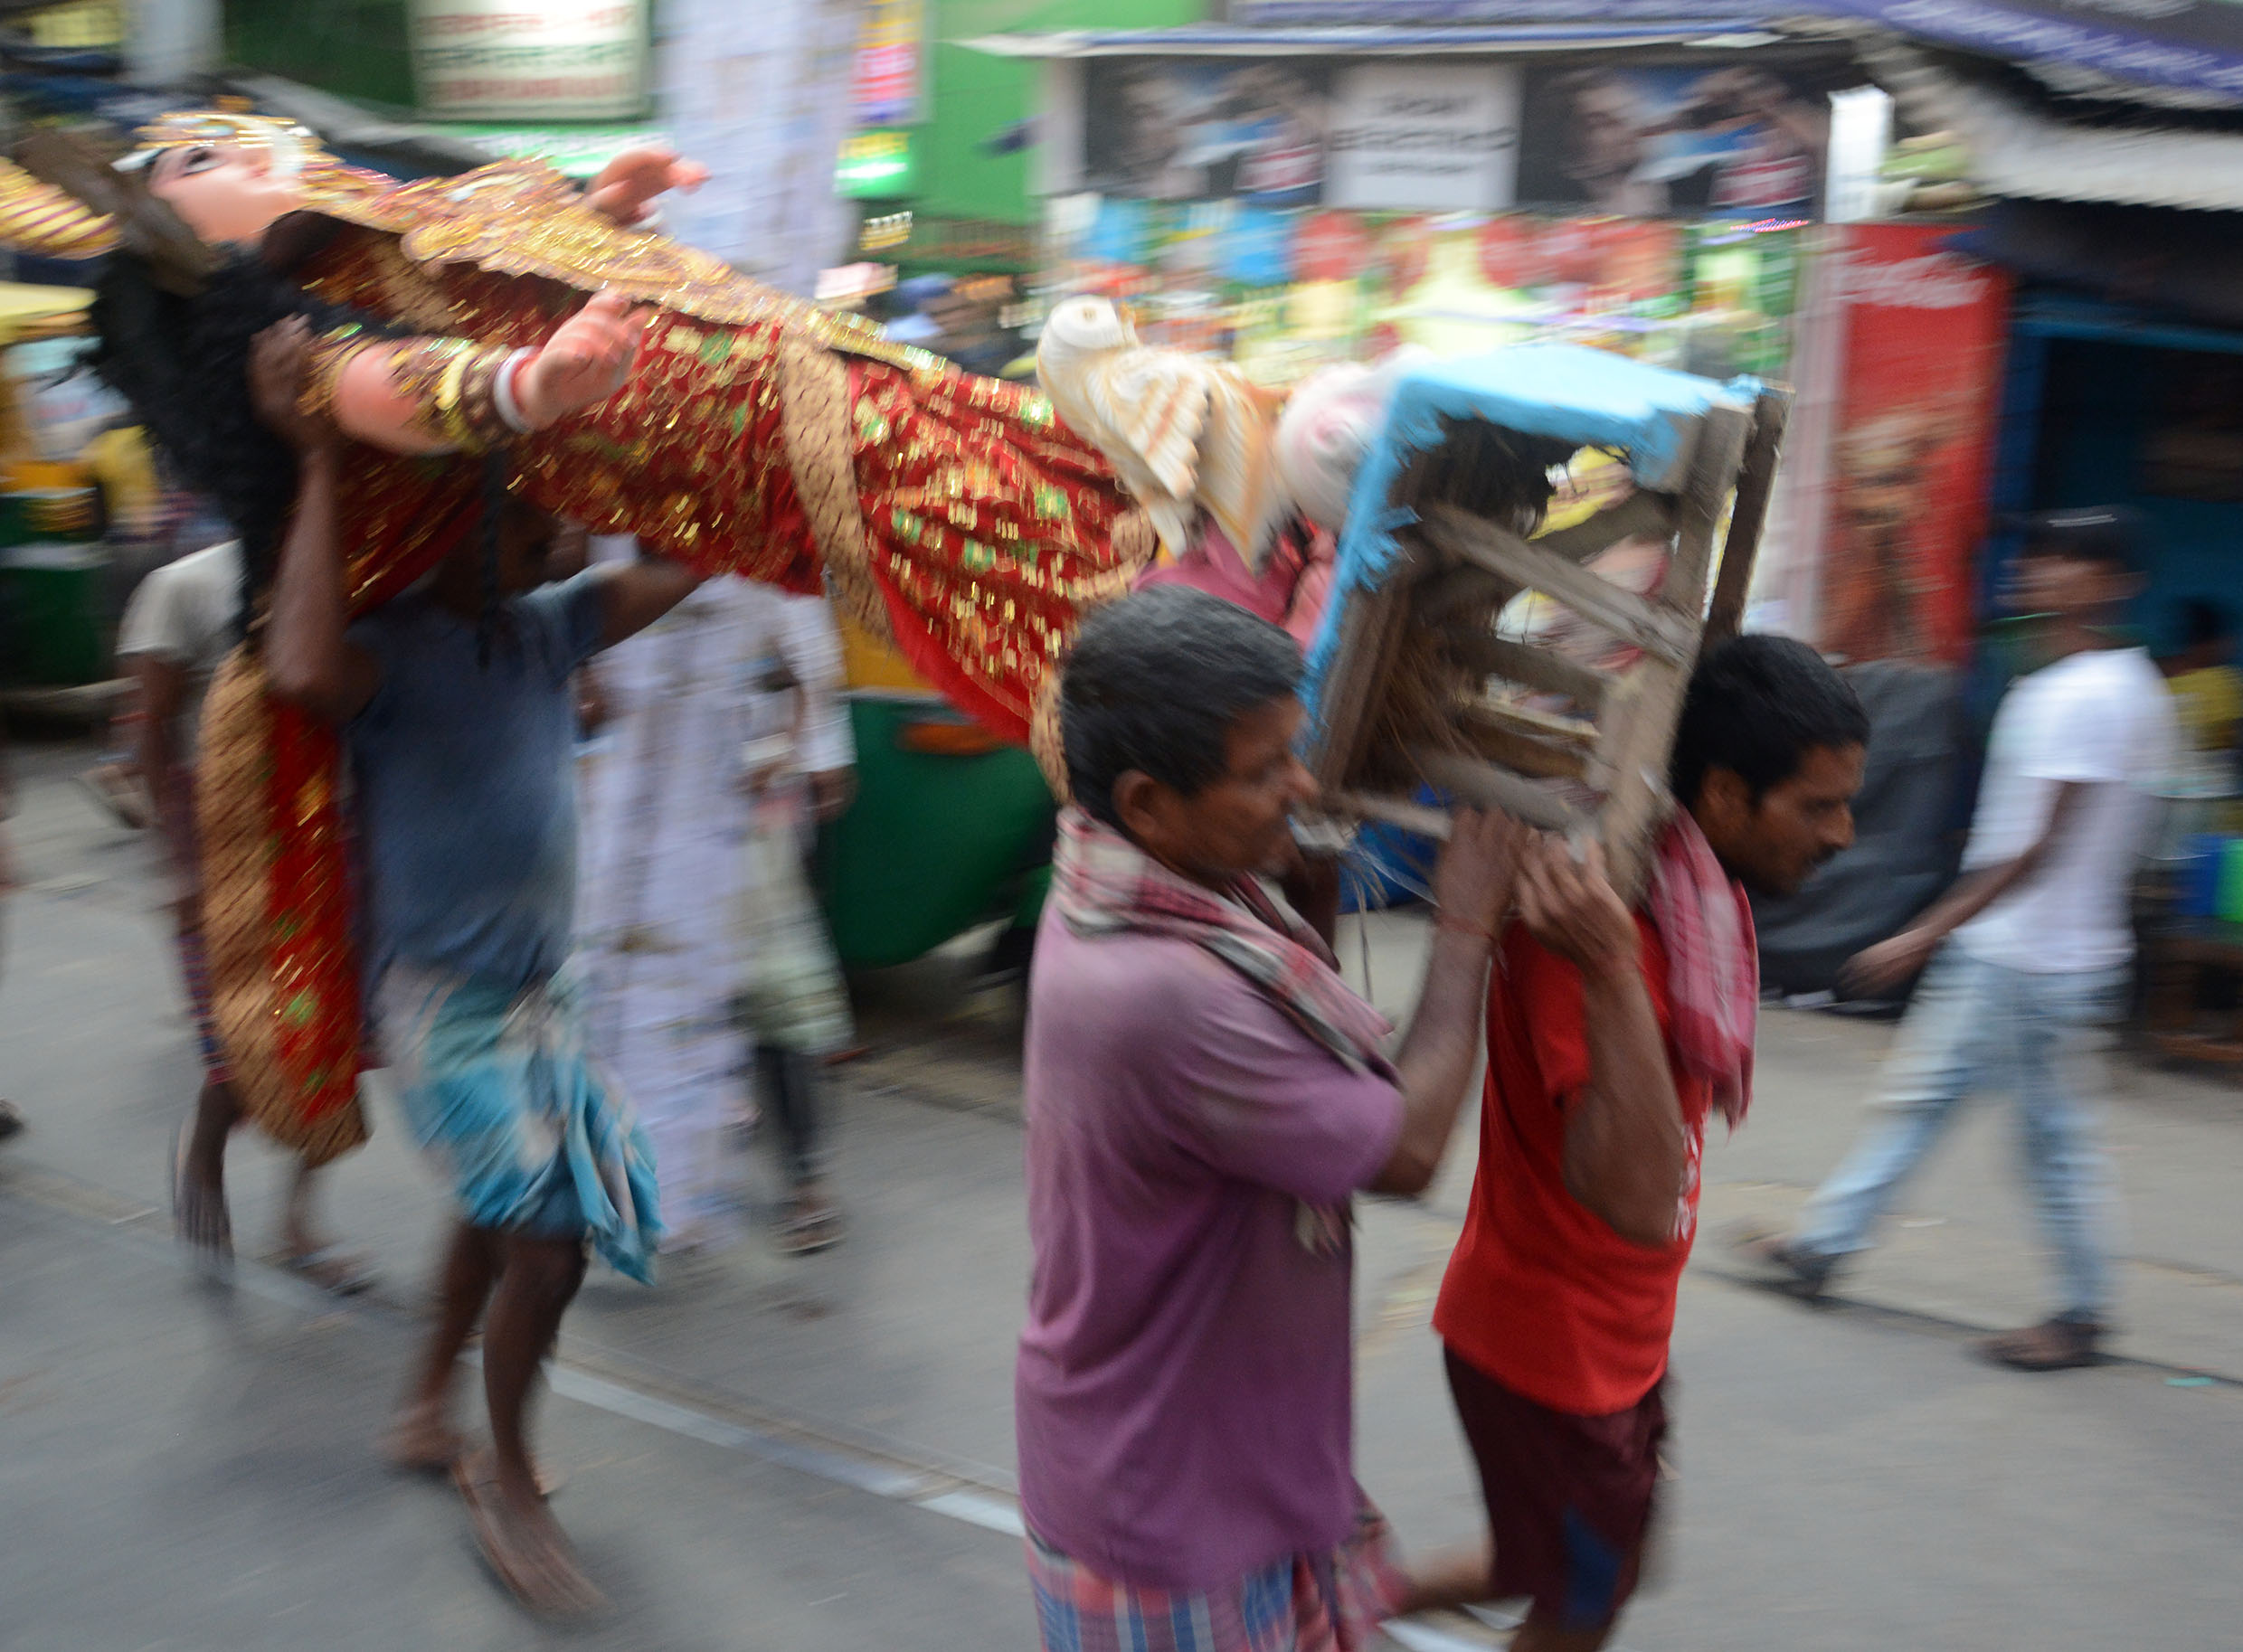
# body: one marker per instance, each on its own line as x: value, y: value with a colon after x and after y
x: 502, y: 392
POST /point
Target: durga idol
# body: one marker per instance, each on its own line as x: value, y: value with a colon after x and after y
x: 502, y: 324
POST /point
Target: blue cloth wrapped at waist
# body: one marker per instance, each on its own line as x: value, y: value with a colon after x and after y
x: 496, y: 1083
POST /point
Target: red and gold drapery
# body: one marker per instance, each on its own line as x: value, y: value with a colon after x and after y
x: 754, y: 437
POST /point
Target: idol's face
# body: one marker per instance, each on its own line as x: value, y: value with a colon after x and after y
x: 225, y: 192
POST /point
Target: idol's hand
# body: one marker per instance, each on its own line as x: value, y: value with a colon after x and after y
x: 585, y: 361
x: 635, y: 177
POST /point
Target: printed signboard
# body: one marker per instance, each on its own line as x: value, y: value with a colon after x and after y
x: 540, y: 60
x: 1424, y: 137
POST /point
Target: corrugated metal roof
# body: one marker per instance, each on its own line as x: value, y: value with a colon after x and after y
x: 2018, y: 150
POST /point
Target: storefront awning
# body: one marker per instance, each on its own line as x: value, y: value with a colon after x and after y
x: 2024, y: 152
x: 1219, y: 39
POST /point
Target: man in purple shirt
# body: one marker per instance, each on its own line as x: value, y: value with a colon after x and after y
x: 1204, y: 1095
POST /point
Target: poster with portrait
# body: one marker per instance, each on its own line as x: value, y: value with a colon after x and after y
x: 1923, y: 331
x: 1730, y: 139
x: 1165, y: 130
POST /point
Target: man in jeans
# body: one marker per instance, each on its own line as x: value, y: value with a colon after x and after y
x: 2030, y: 953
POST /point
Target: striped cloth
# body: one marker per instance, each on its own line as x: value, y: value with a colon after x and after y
x: 1705, y: 922
x: 1105, y: 884
x: 1331, y: 1602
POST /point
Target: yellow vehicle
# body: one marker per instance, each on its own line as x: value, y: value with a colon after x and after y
x: 51, y: 582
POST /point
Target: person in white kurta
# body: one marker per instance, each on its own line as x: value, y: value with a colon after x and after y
x: 666, y: 841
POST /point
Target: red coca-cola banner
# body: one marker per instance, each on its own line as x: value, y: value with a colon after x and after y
x: 1923, y: 334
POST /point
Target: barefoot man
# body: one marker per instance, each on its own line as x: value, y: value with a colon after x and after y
x: 1611, y: 1035
x: 1205, y: 1096
x: 457, y: 704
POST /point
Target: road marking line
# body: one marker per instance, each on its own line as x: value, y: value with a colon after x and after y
x: 877, y: 1479
x: 976, y: 1509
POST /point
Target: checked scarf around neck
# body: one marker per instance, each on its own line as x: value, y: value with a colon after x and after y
x: 1713, y: 963
x: 1104, y: 884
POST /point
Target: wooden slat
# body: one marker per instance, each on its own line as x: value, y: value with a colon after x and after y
x: 1641, y: 515
x: 1721, y: 436
x: 1492, y: 736
x: 1517, y: 662
x: 1667, y: 635
x: 1484, y: 785
x: 1576, y: 731
x: 1395, y: 811
x: 1639, y: 732
x: 1454, y: 590
x: 1755, y: 483
x: 1372, y: 631
x: 1639, y: 717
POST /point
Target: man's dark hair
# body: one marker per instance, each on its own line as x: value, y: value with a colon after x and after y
x: 2096, y: 534
x: 1156, y: 680
x: 1756, y: 706
x: 2204, y: 622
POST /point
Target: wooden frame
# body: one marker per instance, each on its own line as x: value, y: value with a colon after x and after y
x: 1406, y: 700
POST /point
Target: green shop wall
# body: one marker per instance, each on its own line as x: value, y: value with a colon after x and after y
x: 353, y: 48
x: 970, y: 99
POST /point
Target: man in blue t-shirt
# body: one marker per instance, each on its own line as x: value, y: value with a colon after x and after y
x: 455, y: 702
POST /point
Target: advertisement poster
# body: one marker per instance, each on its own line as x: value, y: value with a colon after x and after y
x: 884, y: 91
x: 1163, y: 129
x: 1423, y: 138
x: 498, y: 60
x: 1731, y: 138
x: 1922, y: 332
x: 764, y: 96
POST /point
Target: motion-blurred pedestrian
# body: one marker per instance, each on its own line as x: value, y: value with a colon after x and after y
x: 681, y: 834
x: 1611, y: 1035
x: 2026, y: 961
x: 457, y: 704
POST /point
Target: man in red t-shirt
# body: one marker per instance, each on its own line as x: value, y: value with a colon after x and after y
x: 1611, y: 1035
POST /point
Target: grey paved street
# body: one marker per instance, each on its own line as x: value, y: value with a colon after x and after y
x: 771, y: 1454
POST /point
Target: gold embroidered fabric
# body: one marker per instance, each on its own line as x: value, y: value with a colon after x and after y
x: 47, y: 222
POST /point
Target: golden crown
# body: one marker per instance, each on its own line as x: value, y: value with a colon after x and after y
x: 184, y: 129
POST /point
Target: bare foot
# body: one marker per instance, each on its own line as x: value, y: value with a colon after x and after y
x: 198, y: 1200
x: 119, y: 792
x: 422, y: 1441
x: 523, y: 1544
x: 1449, y: 1581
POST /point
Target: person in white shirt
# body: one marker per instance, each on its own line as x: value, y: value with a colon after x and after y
x: 177, y: 629
x: 2029, y: 955
x: 674, y: 803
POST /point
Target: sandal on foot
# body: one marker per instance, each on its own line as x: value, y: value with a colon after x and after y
x: 805, y: 1231
x: 2054, y: 1345
x: 337, y: 1271
x: 558, y: 1591
x: 1783, y: 1265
